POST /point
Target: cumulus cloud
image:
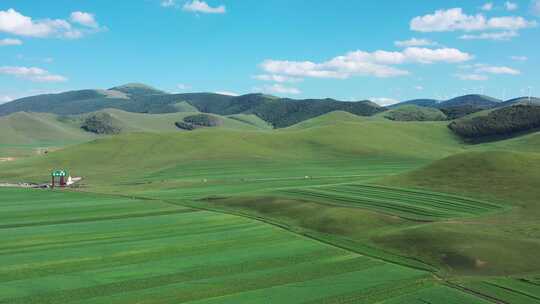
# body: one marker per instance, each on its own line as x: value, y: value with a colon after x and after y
x: 487, y: 7
x: 10, y: 41
x: 15, y: 23
x: 478, y: 71
x: 497, y: 70
x: 276, y: 78
x: 519, y: 58
x: 419, y: 88
x: 31, y: 73
x: 510, y: 6
x: 85, y: 19
x: 496, y: 36
x: 415, y: 42
x: 455, y: 20
x: 198, y: 6
x: 474, y: 77
x: 377, y: 64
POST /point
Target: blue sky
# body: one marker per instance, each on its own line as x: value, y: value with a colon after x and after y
x: 349, y: 50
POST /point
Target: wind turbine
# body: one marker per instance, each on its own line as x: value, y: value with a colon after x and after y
x: 530, y: 93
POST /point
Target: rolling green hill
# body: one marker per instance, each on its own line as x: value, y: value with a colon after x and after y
x: 522, y: 101
x: 445, y: 221
x: 368, y: 138
x: 137, y: 89
x: 140, y: 98
x: 499, y: 244
x: 430, y: 103
x: 22, y: 134
x: 497, y: 123
x: 414, y: 113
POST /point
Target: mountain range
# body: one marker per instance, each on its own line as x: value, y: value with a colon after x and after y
x: 279, y: 112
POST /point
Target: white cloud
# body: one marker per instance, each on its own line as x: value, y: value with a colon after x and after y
x: 415, y: 42
x: 490, y: 69
x: 448, y: 55
x: 474, y: 77
x: 85, y: 19
x: 228, y: 93
x: 277, y: 78
x: 10, y: 41
x: 519, y: 58
x: 455, y: 20
x: 278, y: 89
x: 510, y: 6
x: 497, y: 70
x: 15, y: 23
x: 496, y: 36
x: 32, y: 74
x: 377, y: 64
x: 383, y: 101
x: 419, y: 88
x: 487, y: 7
x: 198, y: 6
x: 5, y: 98
x: 535, y: 7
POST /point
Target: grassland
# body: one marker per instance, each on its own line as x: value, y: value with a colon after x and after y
x: 26, y: 134
x: 61, y: 247
x: 439, y: 218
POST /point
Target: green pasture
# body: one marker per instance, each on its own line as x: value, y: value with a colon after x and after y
x: 337, y: 209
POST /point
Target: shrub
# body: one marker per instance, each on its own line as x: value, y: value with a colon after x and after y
x: 100, y: 123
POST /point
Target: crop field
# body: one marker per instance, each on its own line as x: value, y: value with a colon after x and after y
x: 408, y: 204
x: 65, y: 247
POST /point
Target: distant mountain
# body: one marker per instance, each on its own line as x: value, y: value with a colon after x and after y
x: 521, y: 100
x: 456, y: 107
x: 430, y: 103
x: 479, y: 101
x: 140, y: 98
x: 464, y: 105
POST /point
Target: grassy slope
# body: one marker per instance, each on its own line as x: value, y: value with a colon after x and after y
x: 413, y: 113
x: 86, y: 248
x: 181, y: 155
x: 137, y: 122
x: 21, y: 133
x: 498, y: 244
x: 186, y: 166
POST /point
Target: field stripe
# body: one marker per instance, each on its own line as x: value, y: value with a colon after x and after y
x: 405, y: 203
x: 98, y: 219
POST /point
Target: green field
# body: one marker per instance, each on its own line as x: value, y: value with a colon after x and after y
x: 65, y: 247
x: 336, y: 209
